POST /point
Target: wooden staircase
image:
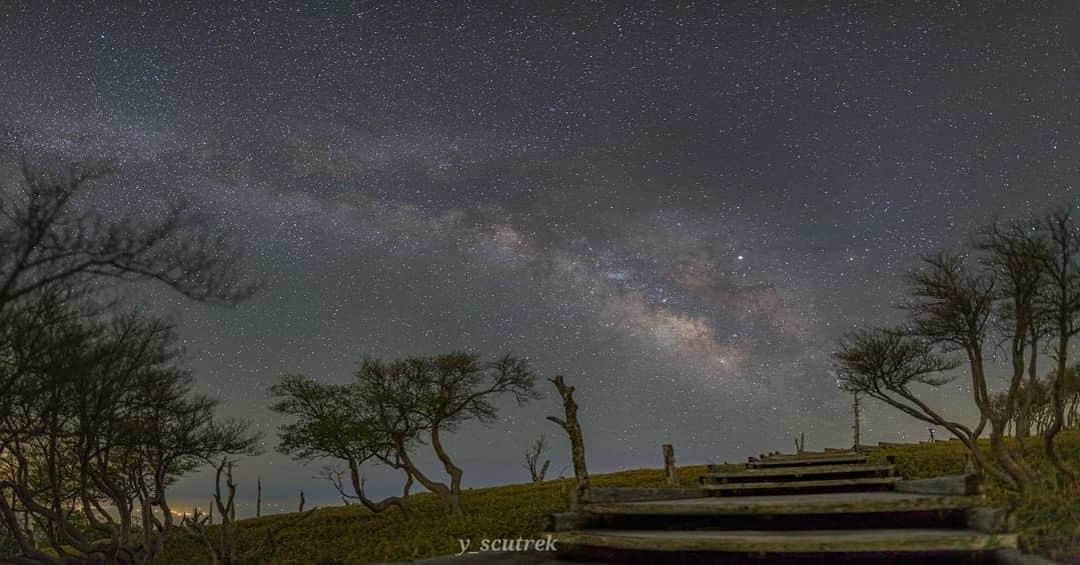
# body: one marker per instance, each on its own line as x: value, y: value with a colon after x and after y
x: 804, y: 507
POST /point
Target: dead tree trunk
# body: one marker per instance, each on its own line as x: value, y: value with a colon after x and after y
x: 855, y: 428
x: 258, y: 497
x: 577, y: 445
x: 532, y: 458
x: 301, y: 501
x: 227, y: 510
x: 669, y: 465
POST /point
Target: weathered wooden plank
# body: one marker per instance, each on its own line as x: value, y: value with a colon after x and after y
x: 630, y: 494
x: 828, y: 452
x: 797, y: 461
x: 798, y: 472
x: 568, y: 521
x: 789, y: 504
x: 802, y: 485
x: 793, y: 541
x: 951, y: 484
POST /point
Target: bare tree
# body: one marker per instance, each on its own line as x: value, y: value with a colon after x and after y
x: 226, y: 549
x: 1026, y: 288
x: 435, y: 395
x: 961, y: 309
x: 1060, y: 301
x: 458, y: 387
x: 388, y: 410
x: 97, y: 422
x: 47, y: 240
x: 885, y: 364
x: 72, y: 447
x: 1012, y: 255
x: 537, y: 472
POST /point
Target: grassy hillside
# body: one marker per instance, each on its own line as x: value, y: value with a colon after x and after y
x: 1050, y: 519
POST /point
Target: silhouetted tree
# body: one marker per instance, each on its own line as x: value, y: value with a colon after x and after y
x: 569, y: 423
x: 1012, y: 256
x: 96, y: 424
x: 532, y: 460
x: 95, y: 419
x: 457, y: 388
x: 1060, y: 300
x: 885, y: 364
x: 226, y: 549
x: 332, y: 422
x: 391, y: 407
x: 1025, y: 287
x: 49, y: 239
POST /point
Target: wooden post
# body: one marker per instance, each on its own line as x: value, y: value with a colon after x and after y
x: 210, y: 520
x: 258, y: 497
x: 669, y: 465
x: 577, y: 446
x: 855, y: 426
x: 301, y: 500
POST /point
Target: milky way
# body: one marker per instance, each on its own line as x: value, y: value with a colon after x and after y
x: 680, y: 208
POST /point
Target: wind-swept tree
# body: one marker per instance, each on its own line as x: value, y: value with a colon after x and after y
x: 332, y: 422
x: 1012, y: 255
x: 87, y: 447
x: 458, y: 388
x: 393, y: 406
x: 1060, y: 302
x: 418, y: 396
x: 1019, y: 286
x: 886, y: 364
x: 77, y: 453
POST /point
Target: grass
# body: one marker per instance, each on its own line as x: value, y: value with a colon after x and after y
x: 1049, y: 518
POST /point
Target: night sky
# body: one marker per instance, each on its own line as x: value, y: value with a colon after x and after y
x: 680, y: 208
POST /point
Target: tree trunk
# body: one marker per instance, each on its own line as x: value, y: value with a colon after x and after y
x: 1020, y: 476
x: 258, y: 497
x: 577, y: 445
x: 1023, y: 416
x: 454, y: 471
x: 440, y: 489
x: 375, y: 507
x: 1057, y: 404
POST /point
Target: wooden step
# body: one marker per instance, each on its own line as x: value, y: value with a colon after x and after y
x: 800, y: 461
x: 807, y: 541
x: 797, y: 473
x: 788, y: 504
x: 811, y: 454
x: 787, y: 486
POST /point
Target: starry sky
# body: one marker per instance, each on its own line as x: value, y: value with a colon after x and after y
x: 680, y: 206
